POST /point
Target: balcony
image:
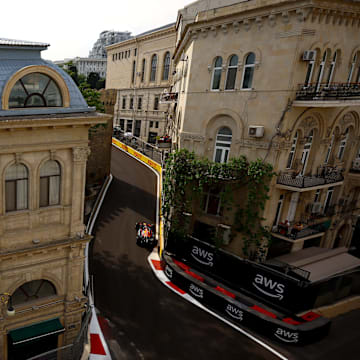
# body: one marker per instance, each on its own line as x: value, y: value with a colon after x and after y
x: 299, y: 231
x: 326, y: 177
x: 328, y: 95
x: 168, y: 98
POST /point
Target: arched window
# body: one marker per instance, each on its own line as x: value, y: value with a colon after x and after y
x: 306, y: 152
x: 342, y: 145
x: 248, y: 71
x: 231, y: 73
x: 321, y: 71
x: 16, y: 187
x: 352, y: 68
x: 33, y: 290
x: 133, y: 72
x: 328, y: 153
x: 166, y: 66
x: 222, y: 145
x: 35, y: 90
x: 332, y: 69
x: 153, y: 67
x: 50, y: 179
x: 216, y: 75
x: 292, y: 151
x: 143, y: 70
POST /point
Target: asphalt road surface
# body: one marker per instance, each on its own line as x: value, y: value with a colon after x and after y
x: 148, y: 321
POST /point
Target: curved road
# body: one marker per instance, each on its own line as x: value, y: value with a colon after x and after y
x: 147, y: 320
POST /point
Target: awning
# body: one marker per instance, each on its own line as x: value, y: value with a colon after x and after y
x: 36, y: 331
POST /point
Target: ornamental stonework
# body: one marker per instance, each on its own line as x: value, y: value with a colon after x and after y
x: 81, y: 153
x: 192, y: 136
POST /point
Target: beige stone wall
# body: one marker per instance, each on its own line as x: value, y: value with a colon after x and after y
x: 278, y: 33
x: 45, y: 242
x: 119, y: 78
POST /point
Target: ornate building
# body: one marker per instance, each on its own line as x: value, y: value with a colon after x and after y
x: 44, y: 123
x: 140, y: 69
x: 277, y: 80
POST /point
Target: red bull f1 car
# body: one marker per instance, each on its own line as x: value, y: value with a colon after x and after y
x: 145, y: 234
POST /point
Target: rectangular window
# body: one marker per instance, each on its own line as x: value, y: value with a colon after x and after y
x: 137, y: 128
x: 124, y: 102
x: 122, y: 126
x: 212, y: 203
x: 151, y: 124
x: 44, y: 191
x: 156, y: 103
x: 10, y: 195
x: 156, y: 124
x: 131, y: 105
x: 129, y: 125
x: 133, y: 72
x: 135, y: 52
x: 152, y: 137
x: 327, y: 202
x: 139, y: 104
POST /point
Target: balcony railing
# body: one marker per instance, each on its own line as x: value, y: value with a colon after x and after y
x: 328, y: 92
x: 168, y: 97
x: 326, y: 175
x: 294, y: 232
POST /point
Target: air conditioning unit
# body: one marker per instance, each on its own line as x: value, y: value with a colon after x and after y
x: 224, y: 232
x: 316, y: 207
x: 256, y: 131
x: 356, y: 164
x: 309, y: 55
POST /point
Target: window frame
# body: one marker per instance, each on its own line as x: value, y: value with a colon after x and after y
x: 292, y: 151
x: 342, y: 145
x: 231, y: 67
x: 153, y: 68
x: 252, y: 69
x: 16, y: 190
x: 49, y: 186
x: 225, y: 150
x: 219, y: 69
x: 166, y: 67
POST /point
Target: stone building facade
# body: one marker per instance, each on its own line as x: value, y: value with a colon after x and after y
x: 277, y: 80
x: 44, y: 123
x: 140, y: 69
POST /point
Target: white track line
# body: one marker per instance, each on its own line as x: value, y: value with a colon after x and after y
x: 162, y: 277
x: 94, y: 323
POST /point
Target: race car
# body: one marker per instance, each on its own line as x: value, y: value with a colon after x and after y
x: 145, y: 234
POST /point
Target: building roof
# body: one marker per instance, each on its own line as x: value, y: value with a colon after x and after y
x: 12, y: 42
x: 16, y: 55
x: 156, y: 29
x: 322, y: 263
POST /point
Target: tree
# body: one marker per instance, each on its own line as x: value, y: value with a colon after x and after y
x: 92, y: 79
x: 92, y: 96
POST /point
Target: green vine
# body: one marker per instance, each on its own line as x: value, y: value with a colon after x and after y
x: 187, y: 178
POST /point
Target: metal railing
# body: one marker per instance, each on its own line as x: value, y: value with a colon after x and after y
x: 325, y: 175
x: 140, y: 145
x: 292, y: 233
x: 328, y: 91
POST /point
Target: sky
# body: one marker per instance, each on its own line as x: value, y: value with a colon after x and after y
x: 72, y: 27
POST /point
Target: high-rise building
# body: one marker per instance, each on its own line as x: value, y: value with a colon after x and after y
x: 106, y: 38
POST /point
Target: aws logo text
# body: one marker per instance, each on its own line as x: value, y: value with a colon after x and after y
x: 269, y: 287
x: 234, y: 312
x: 196, y: 291
x: 287, y: 336
x: 202, y: 256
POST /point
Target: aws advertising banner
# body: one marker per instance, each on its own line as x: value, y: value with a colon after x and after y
x: 267, y: 284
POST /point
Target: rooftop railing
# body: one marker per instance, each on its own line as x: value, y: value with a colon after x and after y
x: 328, y: 91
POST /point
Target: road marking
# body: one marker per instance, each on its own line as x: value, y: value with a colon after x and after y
x: 162, y: 277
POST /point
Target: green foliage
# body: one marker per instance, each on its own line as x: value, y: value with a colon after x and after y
x: 92, y: 97
x: 188, y: 176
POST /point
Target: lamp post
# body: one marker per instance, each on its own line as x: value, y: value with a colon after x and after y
x: 5, y: 299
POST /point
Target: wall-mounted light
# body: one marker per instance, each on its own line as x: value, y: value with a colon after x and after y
x: 6, y: 299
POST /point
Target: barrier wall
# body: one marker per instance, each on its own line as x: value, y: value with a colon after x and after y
x: 282, y: 291
x: 286, y: 330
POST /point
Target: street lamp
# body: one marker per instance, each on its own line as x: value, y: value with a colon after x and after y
x: 5, y: 299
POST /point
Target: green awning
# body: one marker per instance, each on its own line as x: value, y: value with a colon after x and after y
x: 36, y: 331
